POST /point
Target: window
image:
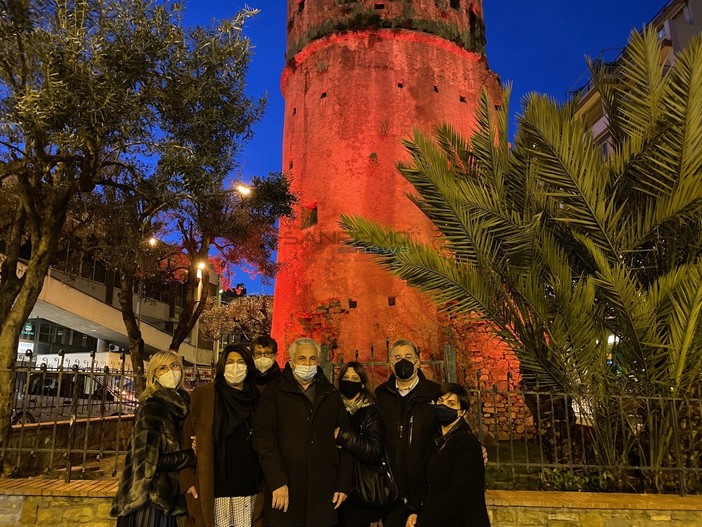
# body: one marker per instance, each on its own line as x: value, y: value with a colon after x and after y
x: 455, y: 4
x: 308, y: 215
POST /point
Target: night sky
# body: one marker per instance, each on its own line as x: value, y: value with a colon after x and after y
x: 537, y: 46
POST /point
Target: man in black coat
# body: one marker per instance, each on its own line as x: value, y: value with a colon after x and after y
x: 307, y: 476
x: 406, y: 401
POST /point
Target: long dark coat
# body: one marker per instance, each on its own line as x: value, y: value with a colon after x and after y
x: 157, y: 426
x: 410, y: 430
x: 295, y: 441
x: 200, y: 423
x: 456, y: 483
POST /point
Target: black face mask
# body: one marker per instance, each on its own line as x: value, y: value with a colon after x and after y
x: 445, y: 415
x: 350, y: 389
x: 404, y: 369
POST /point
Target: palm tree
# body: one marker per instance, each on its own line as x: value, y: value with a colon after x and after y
x: 565, y: 248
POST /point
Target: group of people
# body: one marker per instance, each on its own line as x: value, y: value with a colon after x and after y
x: 261, y: 446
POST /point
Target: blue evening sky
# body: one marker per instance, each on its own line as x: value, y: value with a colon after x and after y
x: 537, y: 46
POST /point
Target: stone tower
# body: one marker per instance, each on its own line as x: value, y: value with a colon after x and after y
x: 360, y: 76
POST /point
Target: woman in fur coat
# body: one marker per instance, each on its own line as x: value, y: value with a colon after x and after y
x: 221, y: 490
x: 148, y: 494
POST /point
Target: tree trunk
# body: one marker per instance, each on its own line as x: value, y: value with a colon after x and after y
x: 192, y: 307
x: 136, y: 342
x: 11, y: 326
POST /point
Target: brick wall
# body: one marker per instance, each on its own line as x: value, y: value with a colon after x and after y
x: 87, y: 503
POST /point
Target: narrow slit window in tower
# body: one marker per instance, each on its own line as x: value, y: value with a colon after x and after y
x: 300, y: 5
x: 290, y: 165
x: 462, y: 98
x: 400, y: 84
x: 436, y: 89
x: 294, y: 111
x: 391, y: 301
x: 324, y: 95
x: 353, y: 303
x: 308, y: 215
x: 379, y: 5
x: 455, y: 4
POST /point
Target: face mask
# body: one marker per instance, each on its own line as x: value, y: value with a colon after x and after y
x: 304, y: 373
x: 445, y: 415
x: 170, y: 379
x: 404, y: 369
x: 263, y: 364
x: 350, y: 389
x: 235, y: 373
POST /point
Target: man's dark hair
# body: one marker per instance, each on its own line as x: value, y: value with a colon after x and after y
x: 240, y: 348
x: 265, y: 341
x: 459, y: 391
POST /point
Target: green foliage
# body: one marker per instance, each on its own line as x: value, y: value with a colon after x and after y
x: 561, y: 247
x: 357, y: 18
x: 118, y: 120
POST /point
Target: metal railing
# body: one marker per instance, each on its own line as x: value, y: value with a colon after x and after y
x: 75, y: 420
x: 69, y: 417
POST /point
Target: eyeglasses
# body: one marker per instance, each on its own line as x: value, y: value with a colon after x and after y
x: 165, y: 367
x: 258, y: 355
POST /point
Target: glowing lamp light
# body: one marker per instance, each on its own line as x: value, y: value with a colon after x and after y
x: 153, y: 242
x: 244, y: 190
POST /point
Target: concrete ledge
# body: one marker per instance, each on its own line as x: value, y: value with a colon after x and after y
x: 99, y: 488
x: 593, y: 500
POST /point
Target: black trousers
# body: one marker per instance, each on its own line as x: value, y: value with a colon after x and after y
x: 396, y: 516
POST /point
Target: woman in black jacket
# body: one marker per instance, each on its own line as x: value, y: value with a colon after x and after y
x: 455, y: 470
x: 365, y: 440
x: 148, y: 494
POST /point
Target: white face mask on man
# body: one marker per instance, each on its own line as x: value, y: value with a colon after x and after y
x: 170, y: 379
x: 304, y: 373
x: 263, y: 364
x: 235, y: 373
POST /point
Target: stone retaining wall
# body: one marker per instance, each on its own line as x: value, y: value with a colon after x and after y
x: 87, y: 503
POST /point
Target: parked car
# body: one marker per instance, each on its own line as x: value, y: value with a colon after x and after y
x: 57, y: 396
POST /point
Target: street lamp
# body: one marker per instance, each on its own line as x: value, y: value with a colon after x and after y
x: 243, y: 189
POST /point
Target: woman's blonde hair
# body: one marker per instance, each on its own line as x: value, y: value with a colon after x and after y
x: 157, y: 360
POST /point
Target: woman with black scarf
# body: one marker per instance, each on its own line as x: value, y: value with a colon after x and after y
x: 221, y: 490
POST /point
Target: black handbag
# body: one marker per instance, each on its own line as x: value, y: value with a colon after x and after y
x: 374, y: 486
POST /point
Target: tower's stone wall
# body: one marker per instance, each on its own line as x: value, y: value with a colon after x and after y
x: 351, y: 98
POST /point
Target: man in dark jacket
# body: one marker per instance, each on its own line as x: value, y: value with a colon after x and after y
x: 406, y: 401
x: 307, y: 476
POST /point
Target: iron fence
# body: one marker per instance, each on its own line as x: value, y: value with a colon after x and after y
x: 69, y: 416
x: 73, y: 418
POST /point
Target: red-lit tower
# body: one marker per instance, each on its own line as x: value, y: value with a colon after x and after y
x: 360, y: 76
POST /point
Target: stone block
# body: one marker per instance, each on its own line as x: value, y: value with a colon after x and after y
x: 102, y: 511
x: 503, y: 515
x: 591, y: 519
x: 30, y: 509
x: 51, y: 515
x: 80, y: 514
x: 531, y: 516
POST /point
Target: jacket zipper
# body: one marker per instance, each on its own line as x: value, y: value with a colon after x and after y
x: 411, y: 422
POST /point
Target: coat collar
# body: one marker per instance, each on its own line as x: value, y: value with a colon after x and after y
x: 176, y: 401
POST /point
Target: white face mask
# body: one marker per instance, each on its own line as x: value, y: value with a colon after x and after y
x: 304, y: 373
x: 263, y: 364
x: 170, y: 379
x: 235, y: 373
